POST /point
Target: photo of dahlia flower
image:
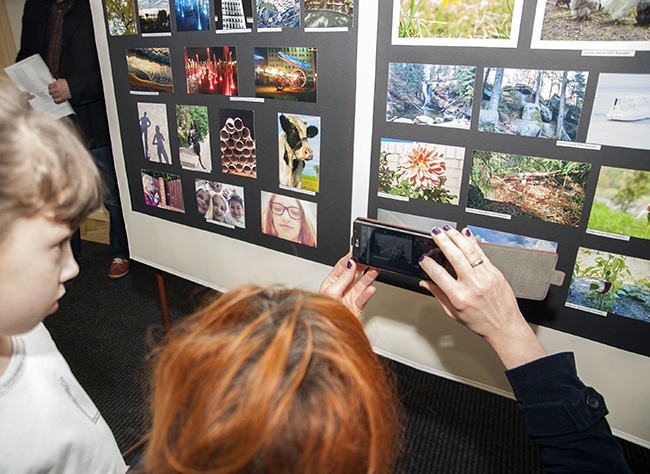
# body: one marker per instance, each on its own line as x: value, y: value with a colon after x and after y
x: 419, y: 170
x: 423, y: 166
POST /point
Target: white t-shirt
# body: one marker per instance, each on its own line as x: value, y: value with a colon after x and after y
x: 48, y: 423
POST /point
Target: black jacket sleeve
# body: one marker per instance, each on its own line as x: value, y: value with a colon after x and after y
x: 565, y: 417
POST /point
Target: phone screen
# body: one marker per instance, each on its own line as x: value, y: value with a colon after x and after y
x: 392, y: 248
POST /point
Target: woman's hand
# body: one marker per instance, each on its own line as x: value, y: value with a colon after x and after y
x: 343, y: 283
x: 480, y: 297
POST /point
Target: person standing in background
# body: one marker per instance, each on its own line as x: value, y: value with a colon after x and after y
x: 61, y: 31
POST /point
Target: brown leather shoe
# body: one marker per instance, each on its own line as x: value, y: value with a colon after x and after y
x: 119, y: 267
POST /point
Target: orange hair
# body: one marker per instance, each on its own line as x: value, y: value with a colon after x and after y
x: 272, y: 381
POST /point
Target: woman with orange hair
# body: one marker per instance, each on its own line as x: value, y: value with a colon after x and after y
x: 285, y: 381
x: 277, y: 381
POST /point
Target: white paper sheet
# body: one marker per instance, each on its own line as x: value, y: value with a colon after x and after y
x: 32, y: 75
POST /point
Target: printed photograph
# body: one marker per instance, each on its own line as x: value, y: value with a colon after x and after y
x: 430, y: 94
x: 233, y: 15
x: 278, y: 14
x: 193, y: 132
x: 622, y: 203
x: 417, y: 170
x: 192, y: 15
x: 422, y: 223
x: 328, y: 14
x: 237, y: 142
x: 532, y: 103
x: 457, y: 22
x: 154, y: 16
x: 511, y: 240
x: 285, y: 73
x: 150, y: 70
x: 604, y: 282
x: 621, y: 112
x: 154, y: 132
x: 220, y: 203
x: 289, y: 218
x: 120, y: 16
x: 299, y: 151
x: 591, y: 24
x: 211, y: 70
x: 526, y: 186
x: 163, y: 190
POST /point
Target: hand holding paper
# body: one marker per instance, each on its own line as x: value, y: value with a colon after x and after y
x: 33, y: 76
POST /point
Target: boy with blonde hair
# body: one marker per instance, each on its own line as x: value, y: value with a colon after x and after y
x: 48, y: 186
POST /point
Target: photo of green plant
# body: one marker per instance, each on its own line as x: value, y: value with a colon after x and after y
x: 417, y: 170
x: 465, y: 19
x: 621, y: 203
x: 430, y: 94
x: 525, y: 186
x: 532, y: 102
x: 611, y: 283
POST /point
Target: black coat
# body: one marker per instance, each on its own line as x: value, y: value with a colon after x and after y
x: 565, y: 417
x: 78, y: 64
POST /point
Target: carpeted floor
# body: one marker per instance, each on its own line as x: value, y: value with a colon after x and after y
x: 106, y: 329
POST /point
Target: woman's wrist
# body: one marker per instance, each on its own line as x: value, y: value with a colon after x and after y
x: 517, y: 346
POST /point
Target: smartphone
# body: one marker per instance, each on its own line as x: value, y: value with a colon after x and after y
x: 393, y: 248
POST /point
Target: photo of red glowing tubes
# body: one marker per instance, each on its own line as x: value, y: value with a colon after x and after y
x: 211, y: 70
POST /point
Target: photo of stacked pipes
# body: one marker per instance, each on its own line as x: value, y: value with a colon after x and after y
x: 237, y: 148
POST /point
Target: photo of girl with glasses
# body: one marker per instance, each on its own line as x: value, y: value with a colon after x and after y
x: 289, y: 218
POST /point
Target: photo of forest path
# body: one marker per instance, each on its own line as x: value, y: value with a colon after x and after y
x: 559, y: 25
x: 524, y: 186
x: 532, y: 102
x: 611, y: 283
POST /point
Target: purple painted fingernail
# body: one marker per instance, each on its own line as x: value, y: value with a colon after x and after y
x: 468, y: 232
x: 421, y: 258
x: 446, y: 228
x: 436, y: 230
x: 349, y: 264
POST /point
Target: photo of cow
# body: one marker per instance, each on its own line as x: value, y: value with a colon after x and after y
x: 299, y: 152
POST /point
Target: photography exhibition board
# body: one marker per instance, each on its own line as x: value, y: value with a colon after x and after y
x: 518, y: 186
x: 221, y: 257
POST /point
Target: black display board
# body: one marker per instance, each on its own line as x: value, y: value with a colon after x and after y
x: 159, y: 39
x: 441, y: 143
x: 471, y: 148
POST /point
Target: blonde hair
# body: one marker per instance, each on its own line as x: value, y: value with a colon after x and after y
x: 270, y: 380
x: 44, y: 166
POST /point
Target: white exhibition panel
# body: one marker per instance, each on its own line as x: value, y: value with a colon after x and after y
x: 406, y: 326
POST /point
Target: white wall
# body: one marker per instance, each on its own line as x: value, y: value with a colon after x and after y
x: 15, y: 14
